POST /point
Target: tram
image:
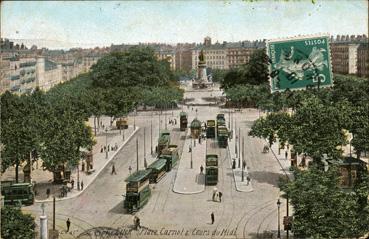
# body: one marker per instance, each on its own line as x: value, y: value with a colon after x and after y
x: 210, y: 129
x: 183, y: 121
x: 138, y: 191
x: 158, y: 170
x: 211, y: 169
x: 170, y: 154
x: 163, y: 141
x: 223, y: 136
x: 17, y: 192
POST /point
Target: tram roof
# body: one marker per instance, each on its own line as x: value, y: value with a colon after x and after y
x: 158, y: 164
x: 138, y: 176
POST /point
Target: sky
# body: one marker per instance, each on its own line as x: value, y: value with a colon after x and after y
x: 65, y: 24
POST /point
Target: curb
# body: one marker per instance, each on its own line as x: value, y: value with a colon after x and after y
x: 97, y: 173
x: 289, y: 175
x: 234, y: 177
x: 175, y: 177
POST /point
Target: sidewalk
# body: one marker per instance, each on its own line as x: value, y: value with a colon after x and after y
x: 112, y: 137
x: 241, y: 186
x: 283, y: 162
x: 189, y: 180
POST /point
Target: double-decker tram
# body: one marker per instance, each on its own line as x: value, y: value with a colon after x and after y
x: 17, y: 192
x: 170, y: 154
x: 211, y: 169
x: 158, y: 170
x: 138, y: 191
x: 223, y: 136
x: 210, y: 129
x: 163, y: 141
x: 183, y: 121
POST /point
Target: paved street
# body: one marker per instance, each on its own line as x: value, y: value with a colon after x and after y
x: 172, y: 215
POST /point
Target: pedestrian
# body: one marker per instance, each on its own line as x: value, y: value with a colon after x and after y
x: 130, y: 169
x: 82, y: 185
x: 212, y: 218
x: 201, y: 169
x: 220, y: 196
x: 234, y: 163
x: 248, y: 180
x: 68, y: 224
x: 48, y: 192
x: 138, y: 223
x: 116, y: 146
x: 113, y: 170
x: 286, y: 154
x: 215, y: 191
x: 72, y: 182
x: 102, y: 149
x: 108, y: 147
x: 175, y: 121
x: 199, y: 140
x: 189, y: 149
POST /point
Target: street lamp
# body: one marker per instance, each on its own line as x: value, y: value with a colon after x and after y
x: 279, y: 224
x: 191, y: 151
x: 106, y: 143
x: 151, y: 132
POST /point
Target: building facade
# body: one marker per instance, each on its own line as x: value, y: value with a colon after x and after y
x: 350, y: 55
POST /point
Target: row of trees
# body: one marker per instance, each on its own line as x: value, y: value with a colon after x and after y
x: 318, y: 125
x: 52, y: 125
x: 314, y: 122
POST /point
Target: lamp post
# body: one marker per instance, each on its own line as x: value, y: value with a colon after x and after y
x: 229, y: 118
x: 239, y: 146
x: 106, y: 143
x: 191, y: 151
x: 151, y: 134
x: 145, y: 162
x: 279, y: 223
x: 134, y: 120
x: 137, y: 152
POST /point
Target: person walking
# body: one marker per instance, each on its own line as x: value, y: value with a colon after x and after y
x: 215, y: 191
x: 113, y: 170
x: 212, y: 218
x: 72, y: 183
x: 248, y: 180
x: 81, y: 185
x: 286, y: 154
x: 220, y: 196
x: 102, y: 149
x: 201, y: 169
x: 68, y: 224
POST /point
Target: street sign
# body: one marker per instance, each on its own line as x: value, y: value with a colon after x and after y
x: 299, y: 63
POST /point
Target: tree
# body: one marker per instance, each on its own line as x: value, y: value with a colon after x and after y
x: 232, y: 78
x: 256, y: 70
x: 137, y: 66
x: 322, y: 209
x: 15, y: 224
x: 20, y: 133
x: 273, y: 126
x: 66, y: 134
x: 318, y: 129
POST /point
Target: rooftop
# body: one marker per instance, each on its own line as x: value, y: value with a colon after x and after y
x: 138, y: 176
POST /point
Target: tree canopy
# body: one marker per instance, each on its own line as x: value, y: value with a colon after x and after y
x: 15, y: 224
x: 137, y: 66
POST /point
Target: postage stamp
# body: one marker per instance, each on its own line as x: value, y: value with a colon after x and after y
x: 299, y: 62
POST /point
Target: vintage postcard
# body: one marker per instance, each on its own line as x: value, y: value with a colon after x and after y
x: 184, y: 119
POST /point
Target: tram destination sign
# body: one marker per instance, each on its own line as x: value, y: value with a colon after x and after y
x: 299, y: 63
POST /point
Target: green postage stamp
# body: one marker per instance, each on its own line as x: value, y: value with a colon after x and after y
x: 299, y: 62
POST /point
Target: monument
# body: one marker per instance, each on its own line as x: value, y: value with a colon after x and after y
x: 201, y: 81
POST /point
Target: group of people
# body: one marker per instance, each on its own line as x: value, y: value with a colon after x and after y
x: 173, y: 121
x: 217, y: 195
x: 113, y: 148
